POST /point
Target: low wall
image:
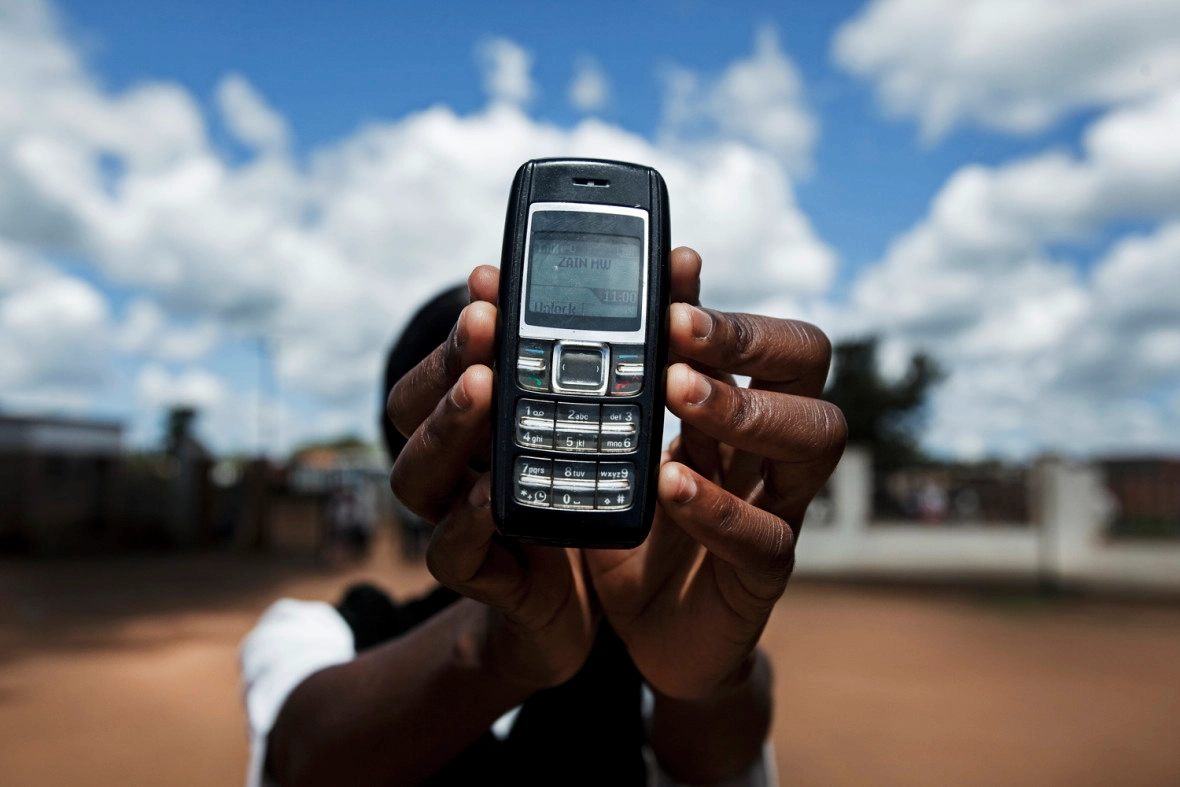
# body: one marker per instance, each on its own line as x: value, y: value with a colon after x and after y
x: 1069, y: 545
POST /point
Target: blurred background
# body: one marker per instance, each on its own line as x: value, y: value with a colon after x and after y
x: 215, y: 219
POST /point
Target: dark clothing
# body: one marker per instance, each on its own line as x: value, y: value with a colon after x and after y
x: 588, y: 730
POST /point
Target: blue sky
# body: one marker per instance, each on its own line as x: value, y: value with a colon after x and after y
x: 329, y: 69
x: 987, y: 180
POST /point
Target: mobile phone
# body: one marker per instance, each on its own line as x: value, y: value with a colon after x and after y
x: 582, y: 346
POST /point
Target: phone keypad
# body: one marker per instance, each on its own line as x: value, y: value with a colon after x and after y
x: 619, y: 428
x: 577, y: 427
x: 532, y: 364
x: 558, y: 483
x: 534, y: 423
x: 615, y: 485
x: 533, y: 481
x: 580, y: 368
x: 575, y: 437
x: 587, y: 433
x: 626, y: 373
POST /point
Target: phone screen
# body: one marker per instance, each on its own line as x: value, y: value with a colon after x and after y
x: 583, y: 274
x: 585, y: 271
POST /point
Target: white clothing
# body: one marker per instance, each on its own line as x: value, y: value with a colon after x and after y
x: 295, y: 639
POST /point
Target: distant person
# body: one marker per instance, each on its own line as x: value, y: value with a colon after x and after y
x: 352, y: 517
x: 537, y: 665
x: 967, y: 505
x: 932, y: 502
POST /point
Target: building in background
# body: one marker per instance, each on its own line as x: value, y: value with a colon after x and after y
x: 58, y: 480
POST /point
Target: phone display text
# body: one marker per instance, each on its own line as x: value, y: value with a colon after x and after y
x: 579, y: 274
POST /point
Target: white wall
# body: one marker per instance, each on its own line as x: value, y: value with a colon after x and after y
x: 1070, y: 546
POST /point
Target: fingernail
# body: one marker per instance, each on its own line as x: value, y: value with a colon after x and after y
x: 699, y: 387
x: 459, y: 396
x: 702, y: 323
x: 459, y: 333
x: 687, y: 489
x: 480, y: 495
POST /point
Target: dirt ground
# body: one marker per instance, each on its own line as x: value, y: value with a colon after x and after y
x: 122, y: 671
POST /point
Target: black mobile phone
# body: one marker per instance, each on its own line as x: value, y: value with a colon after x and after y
x: 582, y: 346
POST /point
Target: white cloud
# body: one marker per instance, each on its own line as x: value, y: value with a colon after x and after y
x: 1012, y: 65
x: 506, y: 70
x: 147, y: 330
x: 232, y: 419
x: 194, y: 387
x: 758, y: 101
x: 1140, y: 278
x: 142, y: 323
x: 248, y: 116
x: 1040, y: 353
x: 988, y: 228
x: 1130, y: 339
x: 326, y: 259
x: 589, y: 91
x: 54, y: 331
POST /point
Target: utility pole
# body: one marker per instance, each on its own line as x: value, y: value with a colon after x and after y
x: 268, y: 432
x: 261, y: 385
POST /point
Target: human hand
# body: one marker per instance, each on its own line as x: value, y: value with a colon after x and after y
x: 691, y: 601
x: 541, y: 622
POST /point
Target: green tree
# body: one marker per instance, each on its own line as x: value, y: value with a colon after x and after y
x: 888, y: 417
x: 342, y: 443
x: 178, y: 426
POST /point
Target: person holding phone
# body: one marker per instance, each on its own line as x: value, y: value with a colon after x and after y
x: 582, y: 313
x: 575, y: 638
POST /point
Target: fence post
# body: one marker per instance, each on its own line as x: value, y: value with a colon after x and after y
x: 1074, y: 508
x: 852, y: 490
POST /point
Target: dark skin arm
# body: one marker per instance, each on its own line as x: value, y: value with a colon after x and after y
x: 376, y: 720
x: 528, y: 622
x: 717, y: 738
x: 690, y: 603
x: 733, y: 492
